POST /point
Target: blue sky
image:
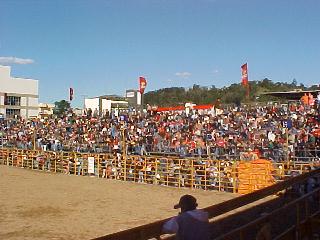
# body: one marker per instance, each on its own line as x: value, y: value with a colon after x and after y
x: 103, y: 46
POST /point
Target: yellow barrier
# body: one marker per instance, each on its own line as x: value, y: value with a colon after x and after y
x: 206, y: 174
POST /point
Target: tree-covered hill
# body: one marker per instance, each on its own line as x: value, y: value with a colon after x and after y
x: 235, y: 93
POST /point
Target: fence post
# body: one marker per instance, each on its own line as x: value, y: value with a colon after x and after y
x: 241, y: 235
x: 298, y: 221
x: 75, y: 160
x: 32, y: 159
x: 179, y: 177
x: 125, y: 167
x: 306, y: 206
x: 167, y: 171
x: 99, y: 162
x: 144, y: 169
x: 8, y: 158
x: 205, y: 174
x: 219, y: 178
x: 12, y: 158
x: 192, y: 173
x: 156, y: 171
x: 234, y: 176
x: 55, y: 162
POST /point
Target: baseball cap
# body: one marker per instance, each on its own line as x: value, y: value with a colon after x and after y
x: 187, y: 201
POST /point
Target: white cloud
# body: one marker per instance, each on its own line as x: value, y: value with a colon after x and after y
x: 14, y: 60
x: 183, y: 74
x: 215, y: 71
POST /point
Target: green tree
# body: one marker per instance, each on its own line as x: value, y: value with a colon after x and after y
x: 294, y: 83
x: 233, y: 94
x: 61, y: 107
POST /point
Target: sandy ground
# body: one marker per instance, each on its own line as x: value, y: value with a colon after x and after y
x: 40, y: 205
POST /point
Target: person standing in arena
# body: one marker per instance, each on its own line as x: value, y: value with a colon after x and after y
x: 191, y: 223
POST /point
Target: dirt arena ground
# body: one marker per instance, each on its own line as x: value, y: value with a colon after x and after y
x: 40, y: 205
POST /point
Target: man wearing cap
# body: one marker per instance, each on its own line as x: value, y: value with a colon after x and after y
x: 191, y: 223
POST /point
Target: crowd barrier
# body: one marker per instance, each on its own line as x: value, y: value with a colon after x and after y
x: 154, y: 230
x: 198, y: 173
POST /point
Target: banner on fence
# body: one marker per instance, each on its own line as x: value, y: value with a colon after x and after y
x: 90, y: 164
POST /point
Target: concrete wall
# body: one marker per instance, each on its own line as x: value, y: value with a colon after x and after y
x: 23, y: 112
x: 106, y: 104
x: 92, y: 103
x: 33, y: 112
x: 21, y: 86
x: 33, y: 102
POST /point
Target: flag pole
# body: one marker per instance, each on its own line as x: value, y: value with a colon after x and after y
x: 248, y: 91
x: 142, y: 86
x: 142, y: 102
x: 245, y: 79
x: 248, y: 85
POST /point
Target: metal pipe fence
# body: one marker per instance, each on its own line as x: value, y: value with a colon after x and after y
x: 196, y: 173
x: 290, y: 221
x: 302, y: 220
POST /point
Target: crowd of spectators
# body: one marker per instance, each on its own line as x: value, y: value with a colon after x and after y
x: 273, y: 131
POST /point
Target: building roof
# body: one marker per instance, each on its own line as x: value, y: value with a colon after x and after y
x: 291, y: 95
x: 110, y: 97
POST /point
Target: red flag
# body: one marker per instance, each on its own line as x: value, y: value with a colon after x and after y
x: 71, y: 94
x: 142, y: 84
x: 244, y: 72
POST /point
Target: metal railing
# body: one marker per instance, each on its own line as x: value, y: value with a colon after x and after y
x: 192, y: 173
x: 154, y: 230
x: 206, y: 174
x: 295, y: 220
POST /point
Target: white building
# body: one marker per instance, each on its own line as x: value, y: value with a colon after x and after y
x: 45, y: 110
x: 18, y: 96
x: 105, y: 103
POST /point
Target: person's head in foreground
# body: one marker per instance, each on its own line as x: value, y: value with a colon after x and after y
x: 191, y: 223
x: 187, y: 203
